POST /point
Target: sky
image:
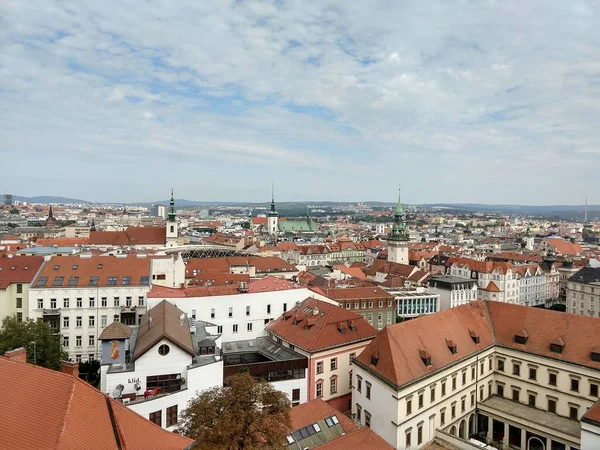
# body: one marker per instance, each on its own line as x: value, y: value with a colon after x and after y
x: 454, y: 101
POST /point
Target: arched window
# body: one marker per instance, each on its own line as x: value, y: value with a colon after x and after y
x: 172, y: 229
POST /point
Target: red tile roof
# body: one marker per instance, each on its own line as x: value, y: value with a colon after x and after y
x: 354, y: 293
x: 564, y: 247
x: 362, y: 438
x: 19, y: 269
x: 316, y: 325
x: 400, y: 347
x: 64, y: 412
x: 390, y: 268
x: 76, y: 271
x: 593, y: 414
x: 315, y: 410
x: 266, y: 284
x: 61, y: 242
x: 218, y: 279
x: 355, y: 272
x: 262, y: 264
x: 130, y: 236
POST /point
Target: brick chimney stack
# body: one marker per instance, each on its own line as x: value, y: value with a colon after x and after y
x: 18, y: 355
x: 70, y: 368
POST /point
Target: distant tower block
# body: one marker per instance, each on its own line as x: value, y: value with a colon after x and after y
x: 8, y: 199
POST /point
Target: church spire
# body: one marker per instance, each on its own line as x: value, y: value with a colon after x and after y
x: 273, y: 212
x: 398, y: 232
x: 172, y: 214
x: 93, y: 227
x: 50, y: 213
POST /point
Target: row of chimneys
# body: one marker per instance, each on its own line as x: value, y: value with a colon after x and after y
x: 20, y: 355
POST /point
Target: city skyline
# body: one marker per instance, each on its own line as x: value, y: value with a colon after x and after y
x: 479, y: 103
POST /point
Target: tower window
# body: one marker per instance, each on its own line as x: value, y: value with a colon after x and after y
x: 172, y: 229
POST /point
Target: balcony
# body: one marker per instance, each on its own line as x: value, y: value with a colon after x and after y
x: 51, y: 312
x: 128, y: 309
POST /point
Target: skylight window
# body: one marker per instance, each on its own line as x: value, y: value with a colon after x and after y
x: 58, y: 281
x: 93, y: 281
x: 126, y: 281
x: 56, y: 267
x: 41, y: 282
x: 75, y: 266
x: 112, y: 281
x: 144, y: 281
x: 73, y: 281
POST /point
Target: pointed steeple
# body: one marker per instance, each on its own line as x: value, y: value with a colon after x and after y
x: 172, y: 215
x: 50, y: 213
x: 273, y: 212
x: 528, y: 231
x: 93, y: 227
x: 398, y: 232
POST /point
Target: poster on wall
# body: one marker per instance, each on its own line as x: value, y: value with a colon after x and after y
x: 113, y: 351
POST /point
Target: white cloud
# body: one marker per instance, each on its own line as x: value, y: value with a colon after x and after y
x: 319, y: 94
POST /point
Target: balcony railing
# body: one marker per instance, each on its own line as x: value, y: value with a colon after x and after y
x: 51, y: 312
x: 126, y: 309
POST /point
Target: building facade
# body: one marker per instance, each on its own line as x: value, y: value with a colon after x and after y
x: 583, y: 292
x: 453, y: 291
x: 16, y: 274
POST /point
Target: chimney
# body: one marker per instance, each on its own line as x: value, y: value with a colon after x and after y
x: 19, y: 355
x: 70, y: 368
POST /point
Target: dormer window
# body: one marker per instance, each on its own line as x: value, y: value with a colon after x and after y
x: 451, y: 346
x: 375, y: 358
x: 521, y: 337
x: 425, y: 357
x: 474, y: 336
x: 557, y: 345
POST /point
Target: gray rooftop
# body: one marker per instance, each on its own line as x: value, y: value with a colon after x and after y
x: 263, y: 345
x: 522, y: 413
x: 449, y: 279
x: 41, y: 251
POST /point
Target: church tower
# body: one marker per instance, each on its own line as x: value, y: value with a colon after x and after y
x: 273, y: 216
x: 397, y: 239
x: 529, y: 242
x: 172, y: 231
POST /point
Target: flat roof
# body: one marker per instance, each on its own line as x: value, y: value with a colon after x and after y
x: 523, y: 414
x: 452, y: 279
x: 263, y: 345
x: 48, y: 250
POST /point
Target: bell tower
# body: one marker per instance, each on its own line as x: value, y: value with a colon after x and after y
x: 273, y: 216
x: 397, y: 239
x: 172, y: 230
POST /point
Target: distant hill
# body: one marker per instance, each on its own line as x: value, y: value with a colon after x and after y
x: 49, y: 199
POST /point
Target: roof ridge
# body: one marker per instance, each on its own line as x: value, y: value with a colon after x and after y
x: 323, y: 327
x: 68, y: 409
x: 489, y: 316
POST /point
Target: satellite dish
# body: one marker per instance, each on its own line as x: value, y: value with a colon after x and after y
x: 182, y: 316
x: 118, y: 391
x: 137, y: 386
x: 181, y: 380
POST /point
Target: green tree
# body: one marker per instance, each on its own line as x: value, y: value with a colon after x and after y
x: 244, y: 414
x: 14, y: 211
x: 43, y: 346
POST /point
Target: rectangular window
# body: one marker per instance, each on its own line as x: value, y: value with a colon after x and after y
x: 472, y: 399
x: 79, y: 321
x: 79, y: 302
x: 473, y: 372
x: 212, y: 313
x: 593, y: 390
x: 552, y: 406
x: 235, y: 328
x: 490, y: 364
x: 420, y: 400
x: 332, y: 385
x: 574, y: 385
x: 66, y: 322
x: 125, y: 281
x: 481, y: 368
x: 407, y: 440
x: 531, y: 400
x: 463, y: 404
x: 500, y: 390
x: 93, y: 281
x: 453, y: 411
x: 103, y: 321
x: 77, y: 341
x: 73, y: 281
x: 419, y: 434
x: 408, y: 406
x: 249, y: 326
x: 501, y: 365
x: 432, y: 395
x: 112, y: 281
x: 320, y: 367
x: 333, y: 363
x: 517, y: 370
x: 117, y: 301
x: 220, y: 329
x: 296, y: 395
x: 268, y: 309
x: 58, y: 281
x: 128, y: 301
x: 172, y: 416
x: 454, y: 383
x: 65, y: 341
x: 320, y: 389
x: 104, y: 301
x: 515, y: 395
x: 247, y: 310
x: 91, y: 321
x: 573, y: 412
x: 230, y: 311
x: 532, y: 373
x: 91, y: 340
x: 358, y: 412
x: 52, y: 303
x: 19, y: 288
x: 368, y: 392
x: 19, y: 302
x: 442, y: 417
x: 552, y: 379
x: 464, y: 378
x: 141, y: 303
x: 156, y: 417
x: 358, y: 383
x: 65, y: 302
x: 284, y: 307
x: 367, y: 418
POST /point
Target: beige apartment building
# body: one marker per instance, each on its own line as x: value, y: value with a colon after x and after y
x: 583, y: 292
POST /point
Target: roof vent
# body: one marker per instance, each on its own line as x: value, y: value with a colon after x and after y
x: 474, y: 336
x: 342, y: 328
x: 451, y: 346
x: 557, y: 345
x: 521, y: 336
x: 298, y: 304
x: 425, y: 357
x: 375, y: 357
